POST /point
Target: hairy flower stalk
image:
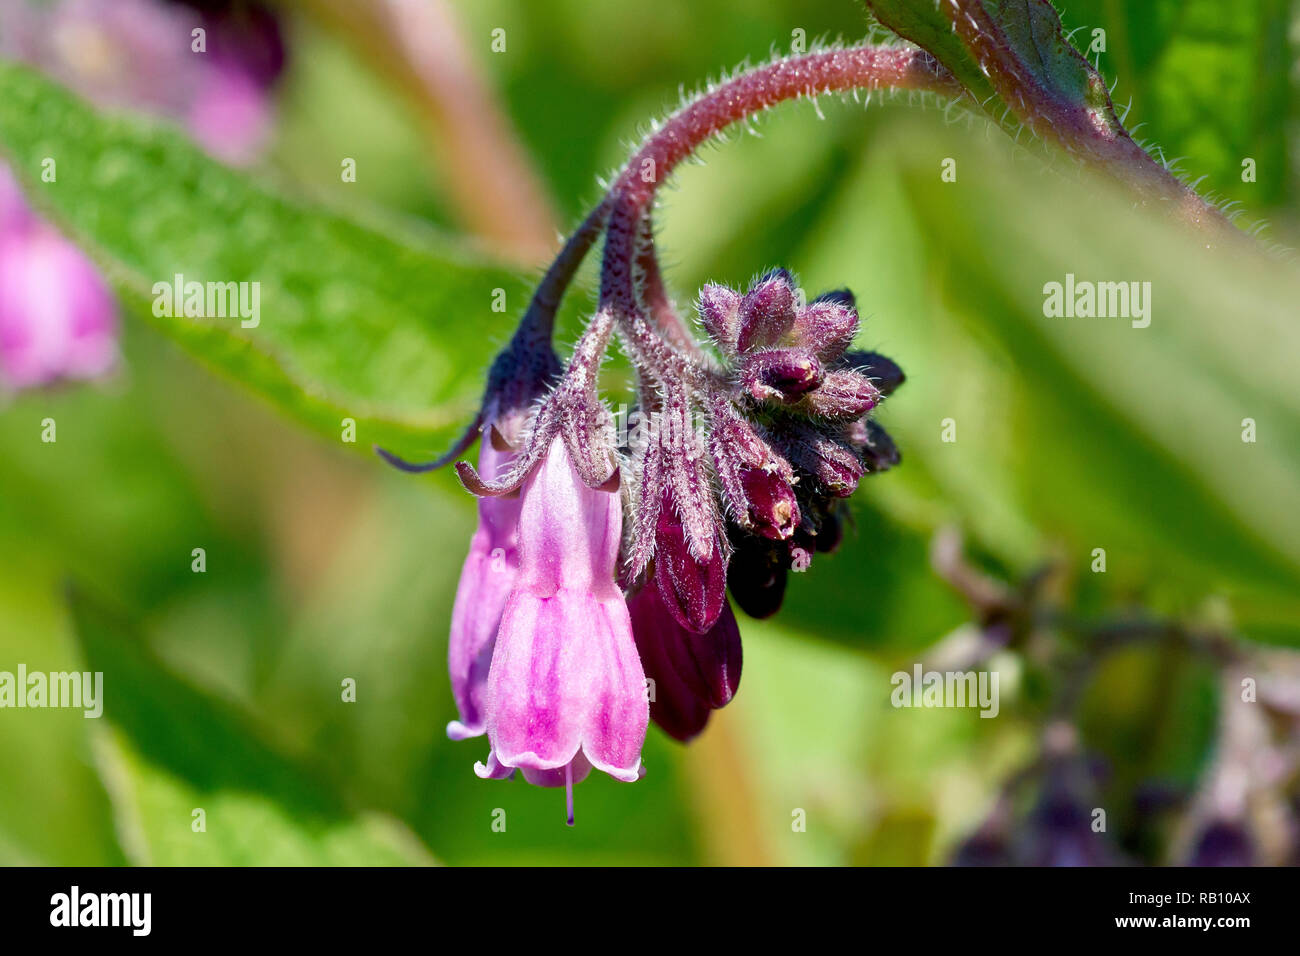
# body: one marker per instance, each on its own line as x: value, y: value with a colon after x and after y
x: 613, y: 560
x: 594, y: 595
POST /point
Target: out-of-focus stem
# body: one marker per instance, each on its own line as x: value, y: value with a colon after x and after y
x: 418, y: 46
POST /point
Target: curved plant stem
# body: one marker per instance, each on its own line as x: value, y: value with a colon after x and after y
x: 420, y: 48
x: 528, y: 363
x: 654, y: 296
x: 863, y: 67
x: 540, y: 317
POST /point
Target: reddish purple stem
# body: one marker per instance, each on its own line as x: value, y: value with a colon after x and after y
x: 865, y: 67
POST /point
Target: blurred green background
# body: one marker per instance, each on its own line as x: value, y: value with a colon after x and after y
x: 223, y: 688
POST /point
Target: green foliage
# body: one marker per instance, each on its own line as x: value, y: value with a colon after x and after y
x: 223, y: 687
x: 375, y: 325
x: 1209, y: 83
x: 1034, y: 37
x: 1135, y: 430
x: 195, y: 782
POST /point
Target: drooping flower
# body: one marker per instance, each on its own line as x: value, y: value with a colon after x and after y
x: 486, y: 580
x: 566, y: 690
x: 688, y: 674
x: 737, y: 477
x: 57, y: 317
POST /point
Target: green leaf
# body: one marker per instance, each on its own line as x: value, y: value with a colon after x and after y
x: 1072, y: 434
x: 926, y: 25
x: 173, y: 750
x: 1030, y: 30
x: 1033, y: 29
x: 53, y: 809
x: 1208, y: 82
x: 355, y: 322
x: 1130, y: 438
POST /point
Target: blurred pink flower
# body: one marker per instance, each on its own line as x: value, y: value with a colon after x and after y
x: 57, y: 318
x: 140, y: 54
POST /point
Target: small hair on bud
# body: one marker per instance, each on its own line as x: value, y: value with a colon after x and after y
x: 826, y: 327
x: 842, y: 395
x: 767, y: 311
x: 719, y: 309
x: 883, y: 371
x: 781, y: 375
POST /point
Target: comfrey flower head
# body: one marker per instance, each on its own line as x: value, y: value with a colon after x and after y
x: 594, y: 598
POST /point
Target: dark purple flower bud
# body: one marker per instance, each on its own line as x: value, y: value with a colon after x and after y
x: 757, y: 575
x: 840, y: 297
x: 1223, y: 843
x: 694, y: 591
x: 842, y: 394
x: 830, y: 532
x: 719, y: 309
x: 707, y: 665
x: 781, y: 375
x: 874, y: 446
x: 834, y: 467
x: 677, y: 709
x: 767, y: 311
x: 771, y: 506
x: 883, y: 372
x: 756, y: 482
x: 827, y: 325
x: 710, y: 663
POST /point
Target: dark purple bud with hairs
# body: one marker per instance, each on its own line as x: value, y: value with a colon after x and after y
x: 770, y: 503
x: 781, y: 375
x: 831, y: 463
x: 767, y: 311
x: 874, y: 446
x: 842, y: 395
x: 719, y: 309
x: 693, y: 590
x: 756, y: 482
x: 827, y: 324
x: 883, y: 372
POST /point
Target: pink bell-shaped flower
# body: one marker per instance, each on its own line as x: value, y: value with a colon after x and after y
x: 486, y: 580
x: 566, y: 690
